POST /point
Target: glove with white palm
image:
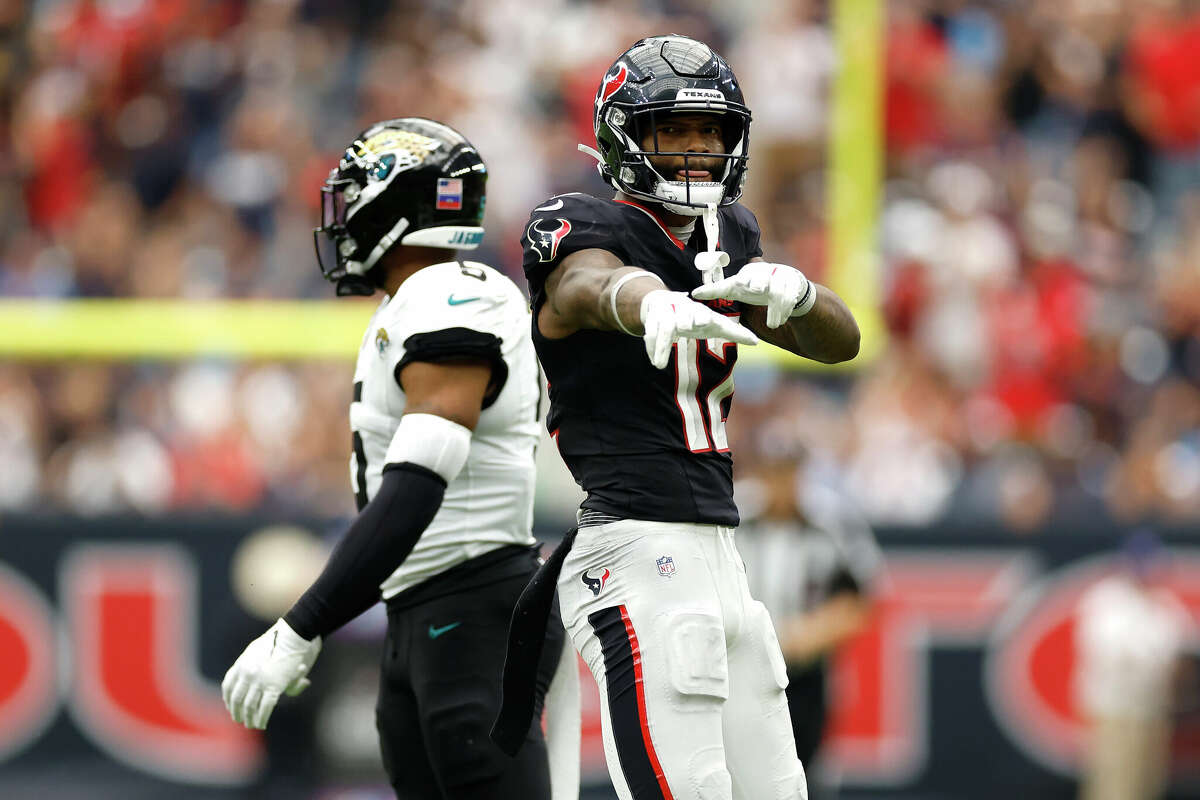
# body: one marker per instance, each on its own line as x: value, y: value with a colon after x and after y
x: 273, y: 664
x: 669, y: 316
x: 782, y: 289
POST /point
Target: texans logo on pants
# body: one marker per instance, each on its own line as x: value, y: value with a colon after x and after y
x: 596, y: 584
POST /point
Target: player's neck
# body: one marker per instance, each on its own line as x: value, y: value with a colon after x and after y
x: 669, y: 219
x: 402, y: 263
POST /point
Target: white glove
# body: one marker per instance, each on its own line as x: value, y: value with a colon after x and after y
x: 669, y: 316
x: 272, y: 664
x: 782, y: 289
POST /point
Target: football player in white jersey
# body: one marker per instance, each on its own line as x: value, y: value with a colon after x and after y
x: 445, y: 422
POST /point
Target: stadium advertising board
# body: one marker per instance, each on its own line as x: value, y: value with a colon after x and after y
x: 115, y: 633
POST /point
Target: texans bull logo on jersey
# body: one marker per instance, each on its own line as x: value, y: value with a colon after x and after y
x: 544, y: 240
x: 596, y: 584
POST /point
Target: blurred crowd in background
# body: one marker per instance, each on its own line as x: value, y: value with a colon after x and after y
x: 1039, y: 237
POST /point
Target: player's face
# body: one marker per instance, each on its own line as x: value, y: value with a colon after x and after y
x: 686, y: 133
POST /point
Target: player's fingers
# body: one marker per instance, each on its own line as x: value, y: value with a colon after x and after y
x: 237, y: 697
x: 651, y: 338
x: 263, y: 711
x: 728, y: 329
x: 662, y: 346
x: 776, y: 314
x: 297, y: 686
x: 250, y: 705
x: 711, y: 291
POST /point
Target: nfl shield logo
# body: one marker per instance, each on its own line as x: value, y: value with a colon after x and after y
x: 449, y: 194
x: 666, y: 566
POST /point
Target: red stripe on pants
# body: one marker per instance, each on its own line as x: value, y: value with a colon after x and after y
x: 641, y: 701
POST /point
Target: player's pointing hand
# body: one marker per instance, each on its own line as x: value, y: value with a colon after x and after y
x: 782, y: 289
x: 668, y: 316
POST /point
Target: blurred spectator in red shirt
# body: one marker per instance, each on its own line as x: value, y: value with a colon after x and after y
x: 917, y: 64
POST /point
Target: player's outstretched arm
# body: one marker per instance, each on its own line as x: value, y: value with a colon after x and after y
x: 827, y: 333
x: 790, y: 311
x: 592, y: 289
x: 428, y: 450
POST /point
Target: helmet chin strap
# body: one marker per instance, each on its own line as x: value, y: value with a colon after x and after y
x: 591, y: 151
x: 712, y: 262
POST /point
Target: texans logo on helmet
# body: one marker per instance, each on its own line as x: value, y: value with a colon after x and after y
x: 614, y: 82
x: 545, y: 243
x: 596, y: 584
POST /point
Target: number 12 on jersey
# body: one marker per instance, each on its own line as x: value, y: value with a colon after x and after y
x: 703, y: 382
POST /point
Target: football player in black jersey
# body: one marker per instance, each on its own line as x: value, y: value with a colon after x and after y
x: 652, y: 590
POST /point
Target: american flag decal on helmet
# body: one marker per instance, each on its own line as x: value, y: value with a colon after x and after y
x: 449, y: 194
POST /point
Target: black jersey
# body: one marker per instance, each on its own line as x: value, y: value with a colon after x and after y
x: 644, y: 443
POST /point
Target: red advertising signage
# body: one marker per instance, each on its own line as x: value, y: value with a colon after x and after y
x: 116, y: 655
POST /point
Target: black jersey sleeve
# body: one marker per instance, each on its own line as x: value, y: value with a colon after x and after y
x: 560, y: 226
x: 749, y: 230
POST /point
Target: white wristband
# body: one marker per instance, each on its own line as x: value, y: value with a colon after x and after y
x: 612, y: 295
x: 807, y: 301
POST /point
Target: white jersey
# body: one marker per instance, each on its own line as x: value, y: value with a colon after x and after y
x: 490, y: 503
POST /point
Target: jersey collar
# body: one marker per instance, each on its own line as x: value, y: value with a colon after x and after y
x: 662, y: 226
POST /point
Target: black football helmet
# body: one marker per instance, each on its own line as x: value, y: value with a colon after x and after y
x: 402, y: 181
x: 663, y: 75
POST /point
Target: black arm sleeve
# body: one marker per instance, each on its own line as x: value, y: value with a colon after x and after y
x: 378, y: 541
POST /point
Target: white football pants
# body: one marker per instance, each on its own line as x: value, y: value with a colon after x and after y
x: 690, y: 674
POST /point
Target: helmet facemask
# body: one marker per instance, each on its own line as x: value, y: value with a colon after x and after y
x: 334, y: 244
x: 638, y: 176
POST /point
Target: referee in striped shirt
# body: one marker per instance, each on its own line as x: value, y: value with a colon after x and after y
x: 813, y: 562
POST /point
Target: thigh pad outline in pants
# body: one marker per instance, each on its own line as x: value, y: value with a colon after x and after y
x: 697, y: 682
x: 697, y: 667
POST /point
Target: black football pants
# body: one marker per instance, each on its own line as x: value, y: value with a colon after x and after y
x: 440, y: 692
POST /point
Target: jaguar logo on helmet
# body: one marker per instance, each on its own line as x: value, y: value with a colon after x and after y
x: 408, y: 148
x: 658, y: 76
